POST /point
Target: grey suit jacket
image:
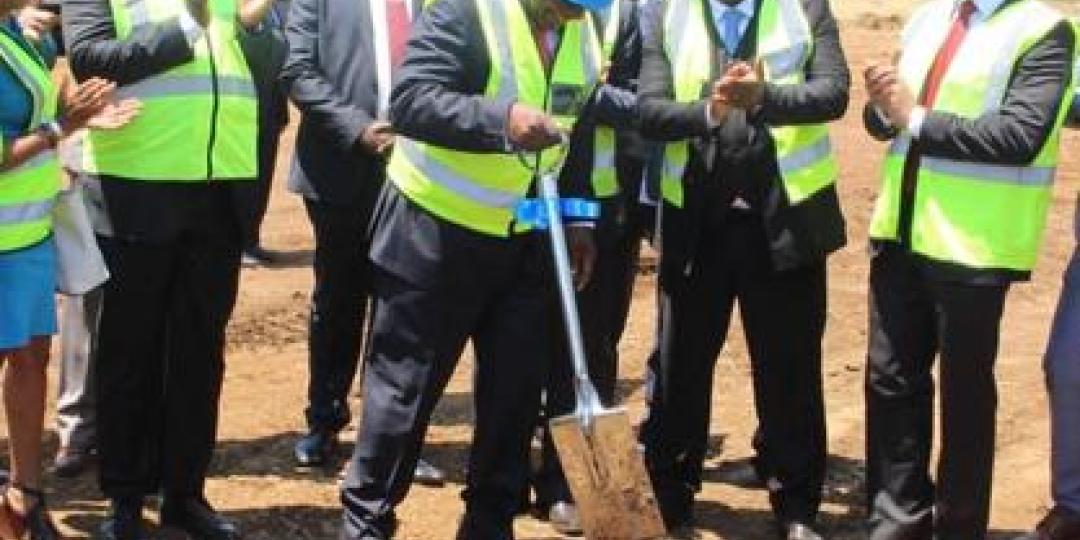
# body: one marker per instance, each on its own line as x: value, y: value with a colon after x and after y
x: 332, y: 77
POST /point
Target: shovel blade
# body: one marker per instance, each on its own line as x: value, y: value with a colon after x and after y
x: 607, y: 477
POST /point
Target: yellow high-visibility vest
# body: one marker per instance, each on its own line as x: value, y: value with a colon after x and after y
x: 27, y: 192
x: 198, y: 119
x: 604, y: 178
x: 804, y: 153
x: 480, y: 191
x: 977, y: 215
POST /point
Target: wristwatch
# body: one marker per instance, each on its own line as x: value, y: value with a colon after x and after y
x: 51, y: 130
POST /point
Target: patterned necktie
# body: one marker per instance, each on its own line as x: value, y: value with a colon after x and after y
x: 733, y: 19
x: 946, y: 53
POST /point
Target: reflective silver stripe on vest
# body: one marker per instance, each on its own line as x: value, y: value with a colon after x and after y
x: 604, y: 159
x: 451, y: 181
x: 1006, y: 174
x: 789, y: 61
x: 1025, y: 175
x: 188, y: 85
x: 25, y: 212
x: 507, y: 76
x: 679, y: 18
x: 138, y: 11
x: 807, y: 156
x: 900, y: 145
x: 588, y: 59
x: 672, y: 170
x: 1001, y: 74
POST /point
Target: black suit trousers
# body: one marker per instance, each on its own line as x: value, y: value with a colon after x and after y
x: 490, y: 290
x: 253, y: 198
x: 161, y: 360
x: 338, y: 308
x: 912, y: 320
x: 783, y: 316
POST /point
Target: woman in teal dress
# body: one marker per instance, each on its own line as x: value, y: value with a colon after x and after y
x: 30, y: 125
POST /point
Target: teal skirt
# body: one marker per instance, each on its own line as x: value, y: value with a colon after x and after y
x: 27, y: 294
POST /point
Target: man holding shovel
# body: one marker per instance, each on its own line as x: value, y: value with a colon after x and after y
x: 486, y: 94
x: 743, y: 90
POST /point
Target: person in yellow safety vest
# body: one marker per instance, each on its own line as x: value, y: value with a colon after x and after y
x: 973, y: 106
x: 486, y: 93
x: 31, y: 125
x: 174, y: 246
x: 617, y: 178
x: 742, y: 91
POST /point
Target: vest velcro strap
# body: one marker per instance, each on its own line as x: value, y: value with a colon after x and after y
x: 533, y: 212
x: 450, y: 180
x: 1006, y: 174
x: 806, y: 157
x: 25, y: 212
x: 187, y: 85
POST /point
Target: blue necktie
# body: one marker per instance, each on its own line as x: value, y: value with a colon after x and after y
x: 732, y: 32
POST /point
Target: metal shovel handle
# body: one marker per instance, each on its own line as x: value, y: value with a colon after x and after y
x: 588, y: 401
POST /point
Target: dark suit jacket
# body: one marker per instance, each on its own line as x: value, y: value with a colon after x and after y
x: 265, y: 49
x: 741, y: 152
x: 332, y: 77
x: 1011, y: 135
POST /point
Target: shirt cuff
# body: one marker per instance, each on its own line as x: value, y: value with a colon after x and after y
x: 915, y: 122
x: 191, y: 29
x: 709, y: 120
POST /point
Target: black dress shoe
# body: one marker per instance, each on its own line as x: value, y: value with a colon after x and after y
x: 194, y: 516
x: 795, y: 530
x: 124, y: 521
x: 316, y: 448
x: 564, y: 518
x: 428, y: 474
x: 70, y: 462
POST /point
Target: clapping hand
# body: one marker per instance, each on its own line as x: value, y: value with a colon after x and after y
x: 743, y: 85
x: 85, y: 101
x: 115, y: 114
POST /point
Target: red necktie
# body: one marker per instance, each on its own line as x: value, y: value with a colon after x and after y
x: 397, y: 25
x: 948, y: 51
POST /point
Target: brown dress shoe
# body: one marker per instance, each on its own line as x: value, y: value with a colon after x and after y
x: 1059, y: 524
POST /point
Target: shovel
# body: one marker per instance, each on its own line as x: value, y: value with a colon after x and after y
x: 596, y: 446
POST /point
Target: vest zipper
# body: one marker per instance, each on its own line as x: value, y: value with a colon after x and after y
x: 213, y: 111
